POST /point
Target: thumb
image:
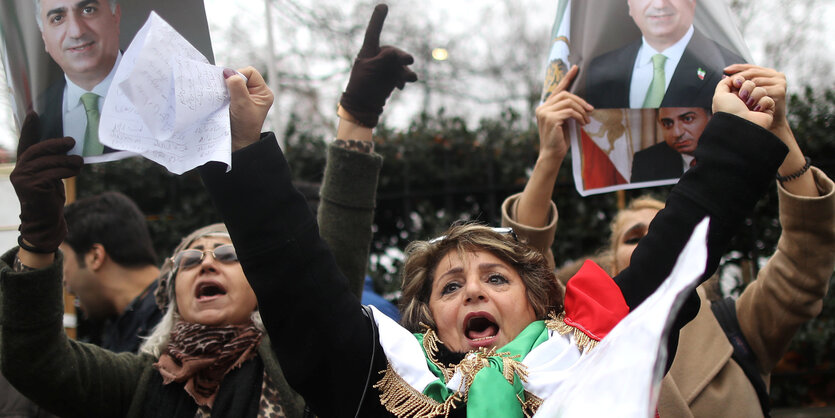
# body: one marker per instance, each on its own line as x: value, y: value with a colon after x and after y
x: 30, y: 133
x: 235, y: 84
x: 724, y: 85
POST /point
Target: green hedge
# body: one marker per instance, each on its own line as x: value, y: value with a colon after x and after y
x: 439, y: 170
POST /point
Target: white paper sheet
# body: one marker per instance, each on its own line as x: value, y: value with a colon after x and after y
x: 167, y: 103
x: 622, y: 376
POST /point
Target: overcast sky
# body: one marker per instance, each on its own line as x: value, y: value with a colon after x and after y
x: 249, y: 17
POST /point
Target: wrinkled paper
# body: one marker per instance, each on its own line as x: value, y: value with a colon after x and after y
x: 167, y: 102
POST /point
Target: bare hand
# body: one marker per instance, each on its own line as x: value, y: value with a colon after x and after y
x: 773, y: 81
x: 734, y: 100
x: 250, y: 102
x: 552, y: 117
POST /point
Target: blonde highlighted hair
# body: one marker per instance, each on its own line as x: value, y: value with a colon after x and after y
x: 617, y: 225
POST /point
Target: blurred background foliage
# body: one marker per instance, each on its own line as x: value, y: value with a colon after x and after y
x: 439, y: 170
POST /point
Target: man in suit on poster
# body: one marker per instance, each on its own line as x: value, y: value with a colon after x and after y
x: 681, y: 129
x: 672, y: 65
x: 82, y: 37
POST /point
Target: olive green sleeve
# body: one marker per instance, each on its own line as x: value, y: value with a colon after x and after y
x: 346, y: 211
x: 68, y: 378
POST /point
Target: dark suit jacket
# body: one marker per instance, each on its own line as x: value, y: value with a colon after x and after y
x: 658, y: 162
x: 50, y: 104
x: 49, y: 109
x: 610, y: 75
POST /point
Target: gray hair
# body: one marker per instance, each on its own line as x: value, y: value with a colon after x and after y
x: 38, y: 11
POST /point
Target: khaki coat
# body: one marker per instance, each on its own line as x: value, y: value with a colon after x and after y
x: 704, y: 381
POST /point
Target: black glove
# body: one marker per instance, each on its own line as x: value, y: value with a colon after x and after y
x: 37, y: 181
x: 375, y: 74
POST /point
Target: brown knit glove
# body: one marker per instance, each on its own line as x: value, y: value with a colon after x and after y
x: 37, y: 181
x: 376, y: 72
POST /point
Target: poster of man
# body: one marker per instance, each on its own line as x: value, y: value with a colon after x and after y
x: 62, y: 56
x: 670, y: 64
x: 636, y: 56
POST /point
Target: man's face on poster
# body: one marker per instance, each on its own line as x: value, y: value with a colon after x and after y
x: 82, y: 36
x: 682, y: 127
x: 663, y: 21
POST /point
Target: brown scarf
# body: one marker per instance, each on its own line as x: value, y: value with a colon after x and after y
x: 201, y: 355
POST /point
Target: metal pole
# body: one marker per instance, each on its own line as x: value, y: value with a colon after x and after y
x: 272, y: 78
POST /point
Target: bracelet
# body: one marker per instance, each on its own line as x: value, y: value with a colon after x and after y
x: 798, y: 173
x: 355, y: 145
x: 19, y: 267
x: 30, y: 248
x: 347, y: 117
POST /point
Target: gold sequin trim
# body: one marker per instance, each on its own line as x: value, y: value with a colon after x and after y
x: 430, y: 346
x: 530, y: 405
x: 512, y: 367
x: 402, y: 400
x: 557, y: 324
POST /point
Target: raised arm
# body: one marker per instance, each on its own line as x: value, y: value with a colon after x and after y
x: 319, y: 333
x: 790, y: 288
x: 737, y: 159
x: 532, y: 213
x: 65, y: 377
x: 349, y: 187
x: 347, y: 201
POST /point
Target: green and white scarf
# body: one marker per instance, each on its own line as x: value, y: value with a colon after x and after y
x: 486, y: 382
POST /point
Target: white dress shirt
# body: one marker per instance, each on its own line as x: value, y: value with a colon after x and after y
x: 642, y: 69
x: 74, y: 115
x: 686, y: 159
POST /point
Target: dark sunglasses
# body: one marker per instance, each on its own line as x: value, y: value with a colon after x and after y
x: 187, y: 259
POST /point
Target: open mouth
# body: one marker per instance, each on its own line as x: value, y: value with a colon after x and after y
x: 208, y: 290
x: 480, y: 326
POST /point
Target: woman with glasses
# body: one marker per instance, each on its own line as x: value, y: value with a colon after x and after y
x: 209, y: 356
x: 211, y: 336
x: 476, y: 303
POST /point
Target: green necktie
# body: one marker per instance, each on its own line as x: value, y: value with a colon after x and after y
x: 657, y: 87
x: 92, y: 146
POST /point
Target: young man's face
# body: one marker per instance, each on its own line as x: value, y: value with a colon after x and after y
x: 682, y: 127
x: 82, y: 36
x: 81, y: 281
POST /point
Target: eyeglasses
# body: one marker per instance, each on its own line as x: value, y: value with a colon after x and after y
x: 187, y: 259
x: 502, y: 230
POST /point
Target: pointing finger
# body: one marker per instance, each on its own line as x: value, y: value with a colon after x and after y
x: 371, y: 44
